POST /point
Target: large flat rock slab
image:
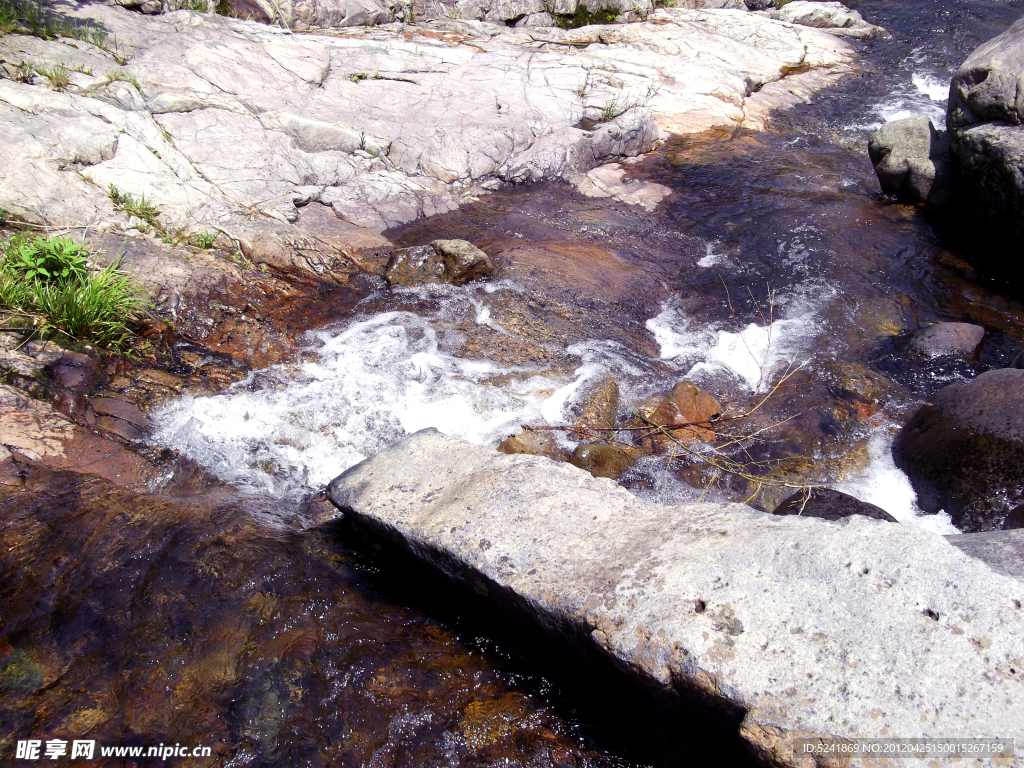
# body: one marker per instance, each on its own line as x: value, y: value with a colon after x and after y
x: 232, y: 126
x: 806, y: 627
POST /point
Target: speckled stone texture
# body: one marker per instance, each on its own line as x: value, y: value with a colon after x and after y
x: 857, y: 629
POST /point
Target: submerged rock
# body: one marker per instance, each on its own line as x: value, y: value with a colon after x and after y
x: 911, y: 159
x: 829, y: 505
x: 532, y: 444
x: 741, y: 618
x: 964, y: 451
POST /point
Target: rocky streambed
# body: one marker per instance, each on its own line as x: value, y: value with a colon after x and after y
x: 379, y: 267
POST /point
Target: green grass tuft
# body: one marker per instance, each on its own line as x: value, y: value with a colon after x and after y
x: 203, y: 240
x: 65, y: 297
x: 139, y: 207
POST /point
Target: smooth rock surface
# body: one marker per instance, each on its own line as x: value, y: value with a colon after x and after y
x: 811, y: 627
x: 960, y: 339
x: 986, y: 105
x: 911, y: 159
x: 1003, y: 551
x: 236, y: 127
x: 964, y: 451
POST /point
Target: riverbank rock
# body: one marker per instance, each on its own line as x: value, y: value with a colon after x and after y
x: 236, y: 127
x: 833, y: 16
x: 829, y: 505
x: 941, y: 339
x: 984, y: 119
x: 443, y: 261
x: 911, y: 159
x: 964, y: 451
x: 767, y: 627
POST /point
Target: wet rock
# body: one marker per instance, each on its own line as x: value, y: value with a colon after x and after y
x: 463, y: 261
x: 443, y: 261
x: 532, y: 444
x: 861, y: 391
x: 829, y: 505
x: 600, y: 405
x: 1003, y: 551
x: 592, y: 567
x: 685, y: 404
x: 959, y: 339
x: 1014, y: 519
x: 911, y: 159
x: 984, y: 119
x: 833, y: 16
x: 120, y: 417
x: 964, y: 451
x: 604, y: 459
x: 75, y: 371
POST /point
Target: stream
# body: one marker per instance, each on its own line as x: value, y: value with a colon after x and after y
x: 775, y: 254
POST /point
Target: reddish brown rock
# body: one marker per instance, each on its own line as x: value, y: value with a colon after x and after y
x: 685, y: 404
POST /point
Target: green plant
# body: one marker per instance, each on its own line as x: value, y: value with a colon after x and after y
x: 356, y: 77
x: 780, y: 3
x: 58, y: 75
x: 204, y: 240
x: 140, y: 208
x: 124, y: 77
x: 96, y: 306
x: 58, y: 259
x: 191, y: 5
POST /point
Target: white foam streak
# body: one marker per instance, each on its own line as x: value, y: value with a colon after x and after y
x: 368, y: 385
x: 753, y: 354
x: 883, y: 484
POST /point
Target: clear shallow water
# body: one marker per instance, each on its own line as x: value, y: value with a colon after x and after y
x: 793, y: 213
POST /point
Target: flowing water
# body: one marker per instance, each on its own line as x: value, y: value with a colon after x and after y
x: 775, y: 252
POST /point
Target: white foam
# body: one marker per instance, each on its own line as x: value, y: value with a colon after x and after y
x: 931, y: 85
x: 885, y: 485
x: 359, y: 390
x: 711, y: 259
x: 754, y: 354
x: 288, y: 430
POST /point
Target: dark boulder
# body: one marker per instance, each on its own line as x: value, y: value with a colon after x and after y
x: 986, y: 106
x: 829, y: 505
x: 964, y: 451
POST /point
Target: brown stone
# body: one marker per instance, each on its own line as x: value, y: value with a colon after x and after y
x: 600, y: 407
x: 532, y: 444
x: 119, y: 409
x: 685, y: 404
x: 463, y: 261
x: 604, y: 459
